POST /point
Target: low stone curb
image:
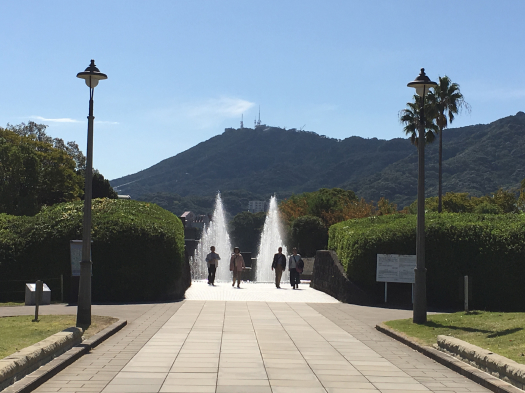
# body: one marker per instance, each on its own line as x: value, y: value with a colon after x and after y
x: 488, y: 381
x: 19, y: 364
x: 49, y: 370
x: 492, y: 363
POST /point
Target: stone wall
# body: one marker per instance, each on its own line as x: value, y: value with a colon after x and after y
x: 329, y: 276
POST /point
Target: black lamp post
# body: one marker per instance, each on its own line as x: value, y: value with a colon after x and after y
x: 422, y: 84
x: 91, y: 76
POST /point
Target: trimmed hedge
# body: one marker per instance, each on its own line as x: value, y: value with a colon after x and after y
x: 489, y: 248
x: 137, y: 249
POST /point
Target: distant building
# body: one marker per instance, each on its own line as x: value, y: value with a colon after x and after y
x: 257, y: 206
x: 191, y: 220
x: 201, y: 220
x: 123, y: 196
x: 187, y: 219
x: 194, y: 224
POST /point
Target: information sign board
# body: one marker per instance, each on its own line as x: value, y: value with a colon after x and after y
x: 75, y: 249
x: 396, y: 268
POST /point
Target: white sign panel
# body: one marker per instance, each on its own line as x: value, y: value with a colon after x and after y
x: 75, y: 249
x: 396, y: 268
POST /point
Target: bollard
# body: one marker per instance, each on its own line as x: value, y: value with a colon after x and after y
x: 39, y: 289
x: 61, y: 288
x: 465, y: 280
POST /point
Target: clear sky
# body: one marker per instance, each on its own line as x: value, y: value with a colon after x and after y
x: 179, y: 72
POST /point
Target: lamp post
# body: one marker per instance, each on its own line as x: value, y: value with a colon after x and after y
x: 422, y: 84
x: 91, y: 76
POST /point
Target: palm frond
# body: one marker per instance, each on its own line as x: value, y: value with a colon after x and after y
x: 410, y: 118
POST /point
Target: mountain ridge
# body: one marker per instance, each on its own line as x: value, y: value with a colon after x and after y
x: 477, y: 159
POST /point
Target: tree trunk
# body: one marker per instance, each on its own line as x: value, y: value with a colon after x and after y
x: 440, y: 181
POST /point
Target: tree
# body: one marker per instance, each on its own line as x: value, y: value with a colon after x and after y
x: 33, y: 174
x: 38, y: 133
x: 19, y: 177
x: 447, y: 101
x: 246, y: 229
x: 327, y: 203
x: 309, y: 235
x: 410, y: 118
x: 100, y: 187
x: 31, y: 130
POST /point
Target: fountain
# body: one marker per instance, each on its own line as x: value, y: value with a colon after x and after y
x: 215, y: 234
x: 271, y: 240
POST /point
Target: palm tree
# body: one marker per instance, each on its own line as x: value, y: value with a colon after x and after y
x: 447, y: 101
x: 410, y: 118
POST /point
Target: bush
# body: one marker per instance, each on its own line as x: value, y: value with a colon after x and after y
x: 137, y: 250
x: 309, y: 235
x: 489, y: 248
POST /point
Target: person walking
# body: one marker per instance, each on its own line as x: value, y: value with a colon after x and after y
x: 279, y: 264
x: 295, y: 265
x: 236, y: 266
x: 212, y: 260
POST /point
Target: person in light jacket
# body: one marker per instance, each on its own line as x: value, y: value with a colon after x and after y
x: 295, y: 265
x: 236, y: 266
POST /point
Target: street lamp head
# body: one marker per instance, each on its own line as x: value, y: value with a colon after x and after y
x: 92, y: 75
x: 422, y: 83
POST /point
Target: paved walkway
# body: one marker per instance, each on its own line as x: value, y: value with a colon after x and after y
x: 257, y: 292
x: 253, y: 346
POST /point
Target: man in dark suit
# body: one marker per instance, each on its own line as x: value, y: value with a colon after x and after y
x: 279, y: 264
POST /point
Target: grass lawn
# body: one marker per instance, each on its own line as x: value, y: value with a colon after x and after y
x: 16, y: 304
x: 501, y: 333
x: 19, y: 332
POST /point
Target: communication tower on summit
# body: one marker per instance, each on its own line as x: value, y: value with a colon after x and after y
x: 242, y: 122
x: 259, y: 121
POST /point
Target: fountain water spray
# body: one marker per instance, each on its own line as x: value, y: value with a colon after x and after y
x: 271, y: 240
x: 215, y: 234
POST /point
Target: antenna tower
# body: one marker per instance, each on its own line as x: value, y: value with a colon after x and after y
x: 259, y: 121
x: 242, y: 121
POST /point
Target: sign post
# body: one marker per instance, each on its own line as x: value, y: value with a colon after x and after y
x: 396, y: 268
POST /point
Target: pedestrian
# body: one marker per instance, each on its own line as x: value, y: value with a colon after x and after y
x: 212, y: 260
x: 236, y: 266
x: 295, y: 265
x: 279, y: 264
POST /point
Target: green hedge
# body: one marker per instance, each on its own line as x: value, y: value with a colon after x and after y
x: 137, y: 250
x: 489, y: 248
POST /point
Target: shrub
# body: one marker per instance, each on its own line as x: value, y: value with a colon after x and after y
x: 137, y: 250
x: 489, y: 248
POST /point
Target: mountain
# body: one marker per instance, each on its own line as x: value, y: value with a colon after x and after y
x: 477, y: 159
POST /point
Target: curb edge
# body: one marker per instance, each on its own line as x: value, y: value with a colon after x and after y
x: 49, y: 370
x: 471, y: 372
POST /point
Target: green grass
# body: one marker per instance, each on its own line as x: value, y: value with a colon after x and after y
x: 16, y: 304
x: 19, y: 332
x: 501, y: 333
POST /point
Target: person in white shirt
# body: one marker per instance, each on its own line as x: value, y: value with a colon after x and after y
x: 295, y: 265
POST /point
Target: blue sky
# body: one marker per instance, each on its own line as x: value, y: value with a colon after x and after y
x: 179, y: 72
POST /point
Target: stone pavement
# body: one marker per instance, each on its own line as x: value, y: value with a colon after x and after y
x: 255, y: 346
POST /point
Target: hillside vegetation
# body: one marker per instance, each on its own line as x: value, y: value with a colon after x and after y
x: 477, y: 159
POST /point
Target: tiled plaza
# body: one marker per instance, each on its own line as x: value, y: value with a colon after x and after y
x: 236, y: 345
x: 257, y: 292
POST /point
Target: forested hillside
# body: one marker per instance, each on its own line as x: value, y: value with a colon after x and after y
x: 477, y: 159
